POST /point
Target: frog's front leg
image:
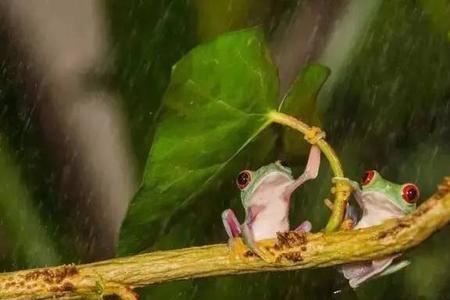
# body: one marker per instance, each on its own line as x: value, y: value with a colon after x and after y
x: 314, y: 134
x: 311, y: 170
x: 233, y: 229
x: 351, y: 213
x: 231, y: 224
x: 350, y: 216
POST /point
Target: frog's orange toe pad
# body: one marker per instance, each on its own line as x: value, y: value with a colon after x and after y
x: 266, y: 252
x: 238, y: 250
x: 347, y: 224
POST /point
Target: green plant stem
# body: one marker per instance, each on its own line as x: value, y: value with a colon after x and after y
x: 341, y: 189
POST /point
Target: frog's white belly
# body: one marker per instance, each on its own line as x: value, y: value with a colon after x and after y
x: 270, y: 221
x: 272, y: 204
x: 377, y: 209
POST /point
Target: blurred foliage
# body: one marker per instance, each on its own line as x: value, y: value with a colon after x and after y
x: 438, y: 12
x: 19, y: 218
x: 35, y: 228
x: 389, y: 111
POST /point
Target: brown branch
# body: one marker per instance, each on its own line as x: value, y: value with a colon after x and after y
x: 294, y: 251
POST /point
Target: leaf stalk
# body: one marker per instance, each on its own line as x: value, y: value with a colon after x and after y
x: 341, y: 189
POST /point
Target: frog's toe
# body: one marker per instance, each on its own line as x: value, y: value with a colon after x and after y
x: 266, y: 251
x: 238, y: 250
x: 314, y: 134
x: 306, y: 226
x: 347, y: 224
x: 265, y: 254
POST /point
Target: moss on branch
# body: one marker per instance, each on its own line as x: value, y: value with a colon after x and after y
x: 295, y: 251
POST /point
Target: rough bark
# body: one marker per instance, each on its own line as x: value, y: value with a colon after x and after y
x: 294, y: 251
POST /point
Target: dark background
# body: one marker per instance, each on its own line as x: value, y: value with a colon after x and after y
x: 81, y: 83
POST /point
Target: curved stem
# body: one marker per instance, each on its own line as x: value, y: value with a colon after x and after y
x: 341, y: 189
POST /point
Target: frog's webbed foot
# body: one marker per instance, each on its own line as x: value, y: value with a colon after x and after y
x: 396, y: 267
x: 239, y: 250
x: 314, y: 134
x: 264, y: 249
x: 347, y: 186
x: 237, y: 247
x: 306, y: 226
x: 343, y: 185
x: 347, y: 224
x: 358, y: 273
x: 350, y: 217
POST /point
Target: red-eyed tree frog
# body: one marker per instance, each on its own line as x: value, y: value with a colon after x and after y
x: 265, y: 195
x: 379, y: 200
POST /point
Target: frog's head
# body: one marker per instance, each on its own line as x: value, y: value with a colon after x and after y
x: 272, y: 174
x: 403, y: 196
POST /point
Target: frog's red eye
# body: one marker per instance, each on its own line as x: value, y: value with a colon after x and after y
x: 410, y: 193
x: 243, y: 179
x: 367, y: 177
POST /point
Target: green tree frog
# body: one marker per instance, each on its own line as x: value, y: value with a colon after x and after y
x: 265, y: 195
x: 379, y: 200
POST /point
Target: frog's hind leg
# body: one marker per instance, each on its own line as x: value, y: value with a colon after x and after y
x: 231, y: 224
x: 233, y: 229
x: 359, y: 275
x: 394, y: 268
x: 381, y: 268
x: 350, y: 217
x: 306, y: 226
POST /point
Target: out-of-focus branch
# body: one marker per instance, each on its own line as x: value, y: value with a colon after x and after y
x: 83, y: 129
x: 301, y: 38
x: 294, y: 251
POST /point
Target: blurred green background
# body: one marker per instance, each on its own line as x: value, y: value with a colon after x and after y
x: 80, y: 92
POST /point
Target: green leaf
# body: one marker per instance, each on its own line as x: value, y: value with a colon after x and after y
x: 301, y: 102
x: 216, y: 103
